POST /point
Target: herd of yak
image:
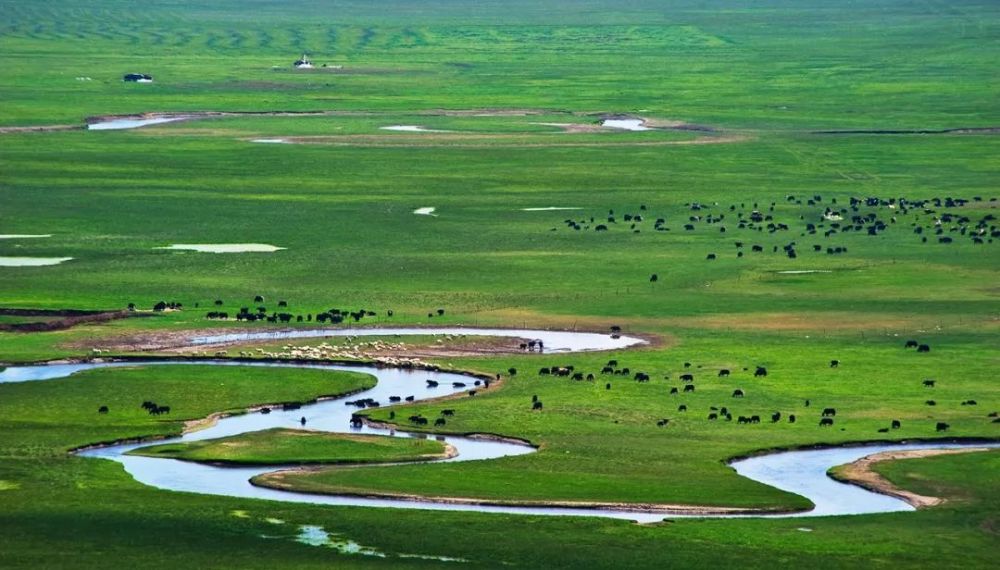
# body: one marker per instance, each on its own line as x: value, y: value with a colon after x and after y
x: 928, y: 218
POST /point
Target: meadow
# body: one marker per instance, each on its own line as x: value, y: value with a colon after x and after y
x: 743, y: 93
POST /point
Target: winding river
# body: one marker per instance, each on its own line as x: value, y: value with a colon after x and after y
x: 801, y: 472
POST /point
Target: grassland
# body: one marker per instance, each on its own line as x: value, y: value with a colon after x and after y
x: 286, y: 447
x: 764, y: 78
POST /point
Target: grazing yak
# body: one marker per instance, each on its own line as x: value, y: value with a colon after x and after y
x: 928, y: 383
x: 826, y: 422
x: 941, y: 426
x: 682, y: 408
x: 102, y: 410
x: 761, y: 371
x: 662, y: 422
x: 687, y: 377
x: 829, y: 412
x: 448, y: 412
x: 738, y: 393
x: 896, y: 424
x: 723, y: 373
x: 537, y: 405
x: 689, y: 388
x: 439, y: 422
x: 834, y: 363
x: 674, y: 391
x: 791, y: 418
x: 924, y: 348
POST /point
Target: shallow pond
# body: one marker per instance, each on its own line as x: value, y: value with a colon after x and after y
x: 24, y: 236
x: 224, y: 247
x: 410, y: 129
x: 625, y: 124
x: 553, y: 341
x: 31, y: 261
x: 425, y: 211
x: 123, y: 123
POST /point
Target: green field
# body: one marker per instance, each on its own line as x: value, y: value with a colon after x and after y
x: 893, y: 226
x: 286, y: 446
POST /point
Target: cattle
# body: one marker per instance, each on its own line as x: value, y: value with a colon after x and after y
x: 761, y: 371
x: 395, y: 399
x: 102, y: 410
x: 472, y: 392
x: 687, y: 377
x: 543, y: 371
x: 969, y: 403
x: 775, y: 417
x: 607, y: 370
x: 687, y: 365
x: 834, y: 363
x: 791, y: 418
x: 265, y: 410
x: 511, y: 371
x: 807, y: 403
x: 724, y: 411
x: 289, y: 407
x: 409, y: 398
x: 941, y: 426
x: 912, y: 344
x: 458, y: 384
x: 710, y: 256
x: 662, y: 422
x: 928, y: 383
x: 713, y: 417
x: 742, y: 420
x: 357, y: 422
x: 590, y: 377
x: 931, y: 403
x: 829, y: 412
x: 439, y: 422
x: 682, y: 408
x: 537, y: 405
x: 737, y: 393
x: 689, y: 388
x: 578, y: 376
x: 883, y: 430
x: 613, y: 363
x: 923, y: 348
x: 674, y: 391
x: 607, y: 386
x: 755, y: 419
x: 896, y: 424
x: 448, y: 412
x: 826, y: 422
x: 641, y: 377
x: 302, y: 420
x: 723, y: 373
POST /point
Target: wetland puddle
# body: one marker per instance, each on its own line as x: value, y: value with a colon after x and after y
x: 31, y: 261
x: 224, y: 247
x: 24, y: 236
x: 549, y: 209
x: 625, y: 124
x: 130, y: 123
x: 425, y: 211
x: 411, y: 129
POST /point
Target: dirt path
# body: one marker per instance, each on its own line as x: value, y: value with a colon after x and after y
x: 860, y: 473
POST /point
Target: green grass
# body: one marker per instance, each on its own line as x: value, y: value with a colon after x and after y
x: 47, y: 418
x: 285, y: 446
x: 771, y: 73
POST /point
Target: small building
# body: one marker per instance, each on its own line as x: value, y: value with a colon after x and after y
x: 303, y: 63
x: 138, y: 78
